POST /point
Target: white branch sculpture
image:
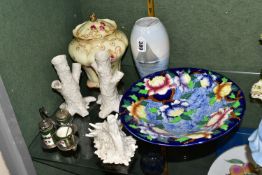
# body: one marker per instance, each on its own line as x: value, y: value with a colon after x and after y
x: 109, y: 97
x: 68, y: 87
x: 112, y: 144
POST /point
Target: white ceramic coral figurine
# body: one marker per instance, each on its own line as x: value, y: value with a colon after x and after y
x: 255, y: 145
x: 256, y: 90
x: 108, y: 80
x: 112, y: 144
x: 255, y: 140
x: 93, y: 36
x: 68, y: 87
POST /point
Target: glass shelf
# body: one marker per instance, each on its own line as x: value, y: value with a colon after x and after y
x: 189, y: 160
x: 84, y: 155
x: 179, y: 160
x: 84, y: 158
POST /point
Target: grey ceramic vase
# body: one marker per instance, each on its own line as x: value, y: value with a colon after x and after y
x: 150, y: 45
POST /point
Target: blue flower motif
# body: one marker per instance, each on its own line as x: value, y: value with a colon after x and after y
x: 173, y: 109
x: 152, y: 116
x: 145, y: 130
x: 179, y: 129
x: 200, y: 101
x: 182, y: 80
x: 206, y: 80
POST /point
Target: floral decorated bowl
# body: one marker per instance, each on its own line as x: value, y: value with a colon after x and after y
x: 182, y: 107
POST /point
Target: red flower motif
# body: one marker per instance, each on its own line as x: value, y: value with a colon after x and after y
x: 236, y: 170
x: 112, y: 57
x: 93, y: 27
x: 102, y: 28
x: 244, y: 169
x: 217, y: 119
x: 158, y: 85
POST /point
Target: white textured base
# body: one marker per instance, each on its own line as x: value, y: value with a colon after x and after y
x: 112, y: 144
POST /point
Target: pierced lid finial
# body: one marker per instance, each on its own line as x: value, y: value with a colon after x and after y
x: 93, y: 17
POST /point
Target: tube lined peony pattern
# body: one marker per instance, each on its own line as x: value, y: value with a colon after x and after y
x: 182, y: 107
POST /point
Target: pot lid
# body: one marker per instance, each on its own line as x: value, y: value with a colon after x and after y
x: 94, y: 28
x: 46, y: 124
x: 63, y: 115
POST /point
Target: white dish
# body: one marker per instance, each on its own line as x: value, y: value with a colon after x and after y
x: 221, y: 166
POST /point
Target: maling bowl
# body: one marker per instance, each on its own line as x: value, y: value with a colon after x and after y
x: 182, y: 107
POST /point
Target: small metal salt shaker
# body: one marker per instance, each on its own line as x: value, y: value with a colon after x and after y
x: 63, y: 117
x: 47, y: 129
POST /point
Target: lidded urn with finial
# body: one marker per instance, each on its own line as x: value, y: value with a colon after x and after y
x: 96, y: 35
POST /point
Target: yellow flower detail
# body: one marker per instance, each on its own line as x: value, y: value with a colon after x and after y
x: 156, y: 81
x: 204, y: 82
x: 137, y: 110
x: 175, y: 113
x: 201, y: 134
x: 158, y: 85
x: 186, y: 78
x: 160, y: 131
x: 222, y: 90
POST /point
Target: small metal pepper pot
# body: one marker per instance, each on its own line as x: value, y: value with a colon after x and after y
x: 63, y: 117
x: 64, y: 137
x: 47, y: 129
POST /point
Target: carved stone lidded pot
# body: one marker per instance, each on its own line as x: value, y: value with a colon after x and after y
x: 93, y: 36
